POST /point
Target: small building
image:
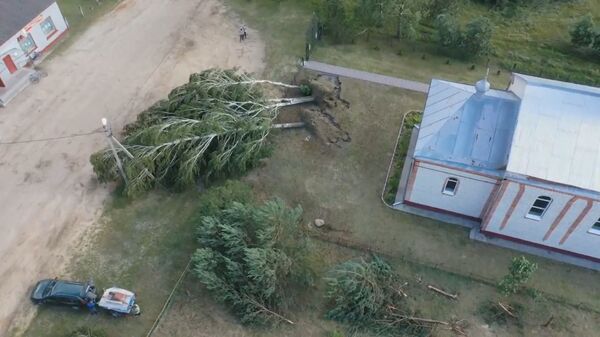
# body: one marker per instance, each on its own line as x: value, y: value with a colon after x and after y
x: 521, y: 165
x: 28, y: 28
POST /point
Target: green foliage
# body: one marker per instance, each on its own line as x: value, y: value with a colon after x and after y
x: 474, y: 41
x: 364, y: 295
x: 448, y: 31
x: 405, y: 16
x: 86, y: 332
x: 216, y: 124
x: 338, y: 20
x: 519, y: 272
x: 250, y: 255
x: 582, y: 33
x: 305, y: 89
x: 216, y: 199
x: 477, y: 37
x: 434, y: 8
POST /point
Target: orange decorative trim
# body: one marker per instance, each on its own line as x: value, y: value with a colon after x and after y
x: 411, y: 180
x: 513, y: 205
x: 494, y: 200
x: 559, y: 218
x: 577, y: 221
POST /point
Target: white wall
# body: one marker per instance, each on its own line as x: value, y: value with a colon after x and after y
x: 470, y: 197
x: 13, y: 48
x: 520, y: 227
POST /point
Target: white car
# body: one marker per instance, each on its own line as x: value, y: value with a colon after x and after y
x: 119, y: 302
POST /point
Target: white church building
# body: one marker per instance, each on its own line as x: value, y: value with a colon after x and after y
x: 520, y: 165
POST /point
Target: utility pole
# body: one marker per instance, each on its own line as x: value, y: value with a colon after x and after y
x: 109, y: 139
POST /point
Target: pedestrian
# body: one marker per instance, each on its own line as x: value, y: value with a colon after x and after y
x: 245, y: 32
x: 242, y: 33
x: 91, y: 305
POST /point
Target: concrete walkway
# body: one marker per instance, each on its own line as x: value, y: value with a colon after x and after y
x: 366, y: 76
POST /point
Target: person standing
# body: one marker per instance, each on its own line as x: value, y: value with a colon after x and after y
x: 245, y: 32
x: 242, y: 33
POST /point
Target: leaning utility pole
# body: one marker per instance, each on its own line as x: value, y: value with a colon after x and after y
x: 110, y: 139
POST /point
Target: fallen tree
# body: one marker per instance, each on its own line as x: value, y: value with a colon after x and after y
x: 216, y: 124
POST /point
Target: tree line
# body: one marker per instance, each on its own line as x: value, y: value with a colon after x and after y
x: 347, y: 20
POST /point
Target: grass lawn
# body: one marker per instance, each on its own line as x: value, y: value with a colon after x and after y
x: 141, y: 245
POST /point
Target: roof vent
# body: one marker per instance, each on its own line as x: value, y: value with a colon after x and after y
x: 482, y: 86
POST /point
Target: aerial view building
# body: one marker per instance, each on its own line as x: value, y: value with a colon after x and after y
x: 521, y: 165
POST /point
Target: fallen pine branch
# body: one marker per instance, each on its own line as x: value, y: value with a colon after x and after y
x: 506, y: 310
x: 440, y: 291
x: 548, y: 322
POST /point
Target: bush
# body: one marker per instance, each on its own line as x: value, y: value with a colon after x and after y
x: 305, y: 89
x: 448, y: 31
x: 582, y: 33
x: 519, y: 272
x: 478, y: 36
x: 249, y: 256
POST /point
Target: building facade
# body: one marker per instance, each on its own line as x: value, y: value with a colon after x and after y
x: 27, y: 29
x: 523, y: 164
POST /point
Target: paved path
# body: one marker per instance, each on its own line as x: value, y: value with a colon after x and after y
x: 366, y: 76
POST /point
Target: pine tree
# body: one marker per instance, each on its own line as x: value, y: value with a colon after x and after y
x: 249, y: 256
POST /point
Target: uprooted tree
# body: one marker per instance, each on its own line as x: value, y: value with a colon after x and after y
x: 250, y: 257
x: 367, y: 294
x: 216, y: 124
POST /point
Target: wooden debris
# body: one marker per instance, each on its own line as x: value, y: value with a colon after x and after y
x: 289, y: 125
x: 440, y: 291
x: 548, y: 322
x: 506, y: 309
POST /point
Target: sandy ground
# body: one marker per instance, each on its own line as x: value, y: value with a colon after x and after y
x: 124, y: 62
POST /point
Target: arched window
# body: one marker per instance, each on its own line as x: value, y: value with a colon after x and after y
x: 539, y: 207
x: 450, y: 186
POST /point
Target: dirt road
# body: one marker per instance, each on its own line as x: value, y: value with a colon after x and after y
x: 123, y: 63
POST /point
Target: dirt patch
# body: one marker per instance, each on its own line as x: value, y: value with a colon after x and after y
x: 130, y: 58
x: 322, y: 118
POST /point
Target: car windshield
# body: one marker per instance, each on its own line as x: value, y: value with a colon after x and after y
x: 49, y: 288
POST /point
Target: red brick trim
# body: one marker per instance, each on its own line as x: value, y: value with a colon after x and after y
x: 537, y: 245
x: 559, y: 218
x: 411, y: 180
x: 577, y: 221
x: 440, y: 210
x: 53, y: 43
x: 495, y: 198
x: 513, y: 205
x: 460, y: 169
x: 558, y: 191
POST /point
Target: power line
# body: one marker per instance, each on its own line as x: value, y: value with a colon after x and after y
x: 75, y: 135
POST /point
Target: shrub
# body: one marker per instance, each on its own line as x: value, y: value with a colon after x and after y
x: 477, y: 37
x: 448, y: 31
x: 582, y: 33
x: 305, y: 89
x: 519, y: 272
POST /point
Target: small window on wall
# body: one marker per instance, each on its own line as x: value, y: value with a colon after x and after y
x: 595, y: 228
x: 48, y: 27
x: 27, y: 43
x: 450, y: 186
x: 539, y: 207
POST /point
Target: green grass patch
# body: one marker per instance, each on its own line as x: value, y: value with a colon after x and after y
x: 411, y: 119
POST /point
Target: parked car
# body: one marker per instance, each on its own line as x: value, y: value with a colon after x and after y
x: 63, y: 292
x: 119, y: 302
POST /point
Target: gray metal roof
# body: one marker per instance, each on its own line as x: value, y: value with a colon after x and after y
x: 557, y: 136
x: 463, y: 126
x: 15, y: 14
